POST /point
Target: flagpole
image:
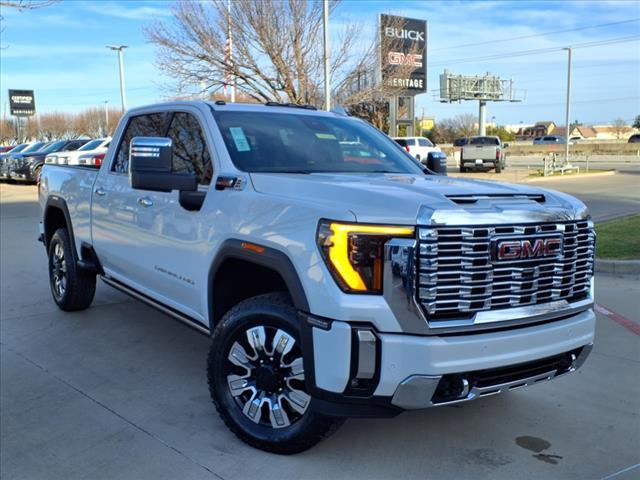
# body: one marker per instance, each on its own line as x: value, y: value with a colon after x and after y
x: 233, y: 79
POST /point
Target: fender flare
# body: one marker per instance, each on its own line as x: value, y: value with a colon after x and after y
x: 272, y: 258
x: 60, y: 204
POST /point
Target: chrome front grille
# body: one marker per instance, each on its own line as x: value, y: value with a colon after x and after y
x: 458, y: 275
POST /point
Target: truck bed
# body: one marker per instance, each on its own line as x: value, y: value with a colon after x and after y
x: 74, y: 184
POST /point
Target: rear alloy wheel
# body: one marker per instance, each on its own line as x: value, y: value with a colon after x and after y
x: 72, y: 288
x: 256, y: 377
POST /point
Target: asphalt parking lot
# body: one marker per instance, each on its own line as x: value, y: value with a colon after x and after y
x: 119, y: 391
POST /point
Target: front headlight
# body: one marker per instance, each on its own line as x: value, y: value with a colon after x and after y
x: 354, y: 253
x: 51, y: 159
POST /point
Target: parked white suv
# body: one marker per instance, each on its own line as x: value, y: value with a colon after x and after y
x: 418, y: 147
x: 335, y: 275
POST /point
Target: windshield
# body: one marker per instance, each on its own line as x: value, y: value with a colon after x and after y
x: 294, y: 143
x: 18, y: 148
x: 34, y: 147
x: 54, y: 147
x: 484, y: 141
x: 92, y: 145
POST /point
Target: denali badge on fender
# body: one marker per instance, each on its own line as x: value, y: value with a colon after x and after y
x: 526, y: 248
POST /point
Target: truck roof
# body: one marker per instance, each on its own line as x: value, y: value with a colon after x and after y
x: 234, y: 107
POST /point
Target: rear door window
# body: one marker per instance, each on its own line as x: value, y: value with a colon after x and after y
x: 423, y: 142
x: 149, y: 125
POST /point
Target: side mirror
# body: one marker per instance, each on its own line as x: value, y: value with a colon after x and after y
x: 505, y: 145
x: 150, y: 166
x: 437, y: 162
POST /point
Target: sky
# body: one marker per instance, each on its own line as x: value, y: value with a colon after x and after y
x: 59, y: 51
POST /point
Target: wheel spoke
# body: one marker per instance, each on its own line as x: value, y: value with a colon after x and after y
x: 252, y: 407
x: 277, y: 415
x: 297, y: 369
x: 238, y: 384
x: 282, y: 344
x: 257, y: 338
x: 238, y: 356
x: 298, y: 400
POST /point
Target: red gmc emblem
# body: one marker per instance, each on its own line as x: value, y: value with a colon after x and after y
x: 526, y: 249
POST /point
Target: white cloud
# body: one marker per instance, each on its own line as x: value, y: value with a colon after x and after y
x: 124, y: 11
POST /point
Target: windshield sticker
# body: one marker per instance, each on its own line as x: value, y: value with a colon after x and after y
x: 242, y: 144
x: 326, y: 136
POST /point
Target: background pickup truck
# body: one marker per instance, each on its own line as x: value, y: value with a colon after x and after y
x: 483, y: 153
x: 335, y: 274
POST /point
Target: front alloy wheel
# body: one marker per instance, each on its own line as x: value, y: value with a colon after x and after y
x: 266, y: 376
x: 256, y: 377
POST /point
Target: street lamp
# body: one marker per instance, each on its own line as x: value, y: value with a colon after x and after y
x: 567, y: 107
x: 120, y: 50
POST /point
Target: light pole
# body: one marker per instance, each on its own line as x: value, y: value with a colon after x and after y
x: 327, y: 74
x: 106, y: 117
x: 568, y: 107
x: 120, y: 50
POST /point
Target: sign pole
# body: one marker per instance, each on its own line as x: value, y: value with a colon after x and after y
x: 393, y: 116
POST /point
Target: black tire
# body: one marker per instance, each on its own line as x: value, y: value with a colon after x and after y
x: 462, y: 169
x: 72, y: 288
x: 498, y: 167
x: 36, y: 173
x: 418, y: 158
x: 272, y: 311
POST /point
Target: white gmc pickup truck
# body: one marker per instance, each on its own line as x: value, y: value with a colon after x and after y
x: 335, y: 274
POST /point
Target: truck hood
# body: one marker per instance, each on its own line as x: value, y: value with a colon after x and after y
x: 401, y: 199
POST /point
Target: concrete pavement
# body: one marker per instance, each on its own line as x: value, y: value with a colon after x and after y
x: 119, y: 391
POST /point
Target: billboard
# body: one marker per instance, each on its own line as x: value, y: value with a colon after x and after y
x: 22, y: 103
x: 403, y: 54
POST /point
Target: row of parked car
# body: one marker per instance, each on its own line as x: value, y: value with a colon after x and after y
x: 24, y: 162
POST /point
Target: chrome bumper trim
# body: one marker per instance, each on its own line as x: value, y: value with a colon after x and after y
x: 416, y: 391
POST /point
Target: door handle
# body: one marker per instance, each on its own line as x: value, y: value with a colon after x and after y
x: 100, y: 192
x: 145, y: 201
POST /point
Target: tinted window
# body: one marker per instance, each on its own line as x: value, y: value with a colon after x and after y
x: 74, y: 146
x: 423, y: 142
x: 34, y: 148
x: 18, y: 148
x: 459, y: 142
x: 54, y: 146
x: 151, y: 125
x: 92, y: 145
x: 301, y: 143
x: 484, y: 141
x: 190, y: 152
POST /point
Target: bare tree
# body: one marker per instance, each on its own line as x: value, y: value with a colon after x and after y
x: 21, y: 5
x: 91, y: 122
x: 619, y: 127
x: 277, y: 53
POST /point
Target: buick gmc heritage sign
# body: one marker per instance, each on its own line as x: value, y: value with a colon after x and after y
x: 403, y: 53
x: 22, y: 103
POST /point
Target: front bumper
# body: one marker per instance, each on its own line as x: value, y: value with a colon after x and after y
x: 23, y: 174
x: 411, y: 371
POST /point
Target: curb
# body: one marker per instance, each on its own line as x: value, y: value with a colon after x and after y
x: 565, y: 177
x: 618, y: 267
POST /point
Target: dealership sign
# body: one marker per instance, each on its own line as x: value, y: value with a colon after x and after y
x: 403, y: 53
x: 22, y: 103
